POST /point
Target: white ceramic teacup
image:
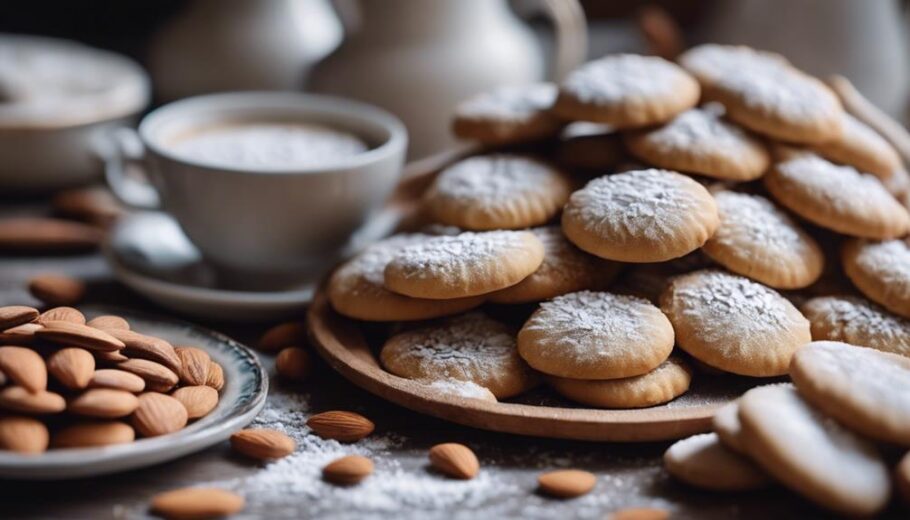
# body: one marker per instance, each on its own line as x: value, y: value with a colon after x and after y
x: 263, y: 222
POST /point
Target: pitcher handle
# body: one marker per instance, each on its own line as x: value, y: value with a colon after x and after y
x: 124, y: 157
x: 571, y: 49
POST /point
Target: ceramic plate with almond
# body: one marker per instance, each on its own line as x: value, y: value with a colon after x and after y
x: 100, y: 390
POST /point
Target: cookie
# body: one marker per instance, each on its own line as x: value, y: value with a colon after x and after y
x: 471, y: 347
x: 702, y: 461
x: 759, y: 240
x: 565, y: 269
x: 864, y: 389
x: 725, y: 424
x: 590, y: 147
x: 497, y: 192
x: 649, y: 281
x: 764, y: 93
x: 663, y: 384
x: 734, y: 324
x: 626, y: 91
x: 881, y: 271
x: 463, y: 389
x: 640, y: 216
x: 356, y: 288
x: 861, y: 147
x: 508, y: 114
x: 812, y: 454
x: 835, y: 197
x: 701, y: 141
x: 596, y: 335
x: 463, y: 265
x: 857, y: 321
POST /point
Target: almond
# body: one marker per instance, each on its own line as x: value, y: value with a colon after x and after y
x: 18, y: 399
x: 62, y: 314
x: 147, y: 347
x: 348, y: 470
x: 455, y: 460
x: 72, y: 367
x: 109, y: 358
x: 566, y: 483
x: 283, y: 335
x: 109, y: 323
x: 57, y: 289
x: 74, y: 334
x: 158, y: 414
x: 30, y: 234
x: 93, y: 433
x: 20, y: 335
x: 196, y: 504
x: 262, y: 444
x: 157, y: 377
x: 198, y: 400
x: 23, y: 435
x: 216, y: 376
x: 103, y: 403
x: 13, y: 315
x: 24, y: 367
x: 117, y: 379
x: 293, y: 364
x: 195, y: 365
x: 94, y: 205
x: 341, y: 426
x: 640, y: 513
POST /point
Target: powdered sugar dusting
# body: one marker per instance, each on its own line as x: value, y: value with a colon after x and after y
x: 756, y: 224
x: 888, y: 262
x: 370, y: 264
x: 466, y: 389
x: 857, y: 321
x: 702, y: 133
x: 621, y: 77
x: 513, y: 103
x: 490, y: 181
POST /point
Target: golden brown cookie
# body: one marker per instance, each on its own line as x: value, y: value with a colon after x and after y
x: 590, y: 147
x: 764, y: 93
x: 725, y: 424
x: 734, y: 324
x: 702, y: 461
x: 812, y: 454
x: 759, y: 240
x: 855, y: 320
x: 356, y: 288
x: 508, y: 114
x: 835, y: 197
x: 881, y: 271
x: 471, y: 347
x: 463, y: 265
x: 663, y: 384
x: 497, y: 192
x: 701, y: 141
x: 565, y: 269
x: 864, y: 389
x: 640, y: 216
x: 861, y: 147
x: 626, y: 91
x: 596, y: 335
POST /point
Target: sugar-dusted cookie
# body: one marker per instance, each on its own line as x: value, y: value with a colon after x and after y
x: 704, y: 462
x: 881, y: 271
x: 463, y: 389
x: 857, y: 321
x: 463, y: 265
x: 764, y: 93
x: 596, y: 335
x: 356, y: 288
x: 497, y: 192
x: 649, y: 281
x: 836, y: 197
x: 663, y: 384
x: 861, y: 147
x: 701, y: 141
x: 759, y: 240
x: 471, y: 347
x: 508, y: 114
x: 734, y: 324
x: 812, y: 454
x: 640, y: 216
x: 565, y: 269
x: 590, y: 147
x: 725, y: 424
x: 864, y: 389
x: 626, y: 91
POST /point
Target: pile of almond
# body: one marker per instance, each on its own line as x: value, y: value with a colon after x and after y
x: 66, y: 382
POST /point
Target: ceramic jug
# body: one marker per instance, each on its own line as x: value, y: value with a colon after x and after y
x: 218, y: 45
x: 419, y: 58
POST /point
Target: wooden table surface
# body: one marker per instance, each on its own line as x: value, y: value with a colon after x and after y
x: 629, y: 475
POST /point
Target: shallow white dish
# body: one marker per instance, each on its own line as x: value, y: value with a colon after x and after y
x: 243, y: 396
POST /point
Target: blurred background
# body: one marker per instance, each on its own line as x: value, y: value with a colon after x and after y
x: 417, y: 58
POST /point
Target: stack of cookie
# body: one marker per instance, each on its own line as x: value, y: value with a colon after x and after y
x: 657, y: 221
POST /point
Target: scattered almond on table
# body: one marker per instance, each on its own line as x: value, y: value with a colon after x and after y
x: 293, y: 364
x: 196, y: 503
x: 57, y: 289
x: 455, y: 460
x: 566, y: 483
x: 348, y: 470
x: 262, y: 443
x: 341, y: 425
x: 283, y: 335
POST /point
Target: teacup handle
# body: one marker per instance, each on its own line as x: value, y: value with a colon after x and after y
x: 124, y: 164
x: 571, y: 47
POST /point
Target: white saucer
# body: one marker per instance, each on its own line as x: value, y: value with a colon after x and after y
x: 149, y: 253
